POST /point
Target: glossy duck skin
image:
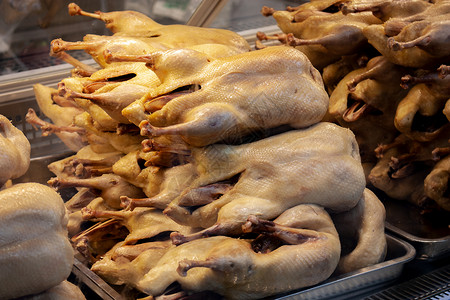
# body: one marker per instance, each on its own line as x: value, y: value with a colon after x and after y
x: 14, y: 151
x: 135, y: 33
x: 386, y: 9
x: 142, y: 223
x: 231, y: 267
x: 419, y: 40
x: 421, y: 113
x: 436, y: 183
x: 270, y: 87
x: 61, y: 116
x: 319, y: 165
x: 361, y: 230
x: 322, y: 32
x: 33, y: 237
x: 110, y: 187
x: 133, y: 23
x: 359, y: 102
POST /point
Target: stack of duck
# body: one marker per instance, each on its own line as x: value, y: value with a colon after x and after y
x: 385, y: 65
x: 205, y: 165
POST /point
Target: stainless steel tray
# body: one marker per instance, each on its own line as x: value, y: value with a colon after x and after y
x: 355, y: 283
x: 337, y: 287
x: 429, y: 233
x: 94, y: 286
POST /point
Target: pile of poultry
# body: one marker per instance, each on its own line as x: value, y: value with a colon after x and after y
x: 33, y: 219
x: 204, y: 167
x: 385, y: 66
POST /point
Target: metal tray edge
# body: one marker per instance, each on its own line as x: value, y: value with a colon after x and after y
x: 426, y: 248
x: 360, y: 279
x: 94, y: 282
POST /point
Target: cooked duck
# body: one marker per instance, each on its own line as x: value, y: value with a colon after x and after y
x: 135, y: 33
x: 111, y: 187
x: 386, y: 9
x: 359, y: 102
x: 437, y: 182
x: 142, y: 223
x: 322, y: 33
x: 418, y: 40
x: 232, y: 268
x: 60, y: 116
x: 212, y: 113
x: 420, y: 114
x: 15, y: 151
x: 271, y: 177
x: 33, y: 237
x: 361, y: 231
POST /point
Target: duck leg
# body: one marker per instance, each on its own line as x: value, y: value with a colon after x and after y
x: 118, y: 21
x: 59, y: 45
x: 86, y: 168
x: 293, y: 236
x: 81, y: 68
x: 440, y: 152
x: 218, y: 229
x: 75, y: 10
x: 434, y: 39
x: 190, y: 198
x: 443, y: 71
x: 204, y: 195
x: 114, y: 101
x: 203, y: 123
x: 159, y: 201
x: 103, y: 234
x: 342, y: 42
x: 376, y: 68
x: 48, y: 128
x: 111, y: 187
x: 234, y: 259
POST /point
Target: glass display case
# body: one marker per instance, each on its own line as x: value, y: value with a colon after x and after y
x: 28, y: 27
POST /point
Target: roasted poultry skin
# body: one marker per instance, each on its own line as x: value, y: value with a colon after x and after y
x: 231, y: 267
x: 135, y: 33
x: 359, y: 102
x: 296, y: 96
x: 437, y: 181
x: 61, y: 116
x: 101, y: 92
x: 401, y: 91
x: 275, y: 174
x: 418, y: 40
x: 33, y: 237
x: 323, y: 34
x: 14, y: 151
x: 208, y: 166
x: 363, y: 226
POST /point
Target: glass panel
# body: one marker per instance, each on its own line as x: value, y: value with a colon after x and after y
x: 28, y: 26
x: 240, y: 15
